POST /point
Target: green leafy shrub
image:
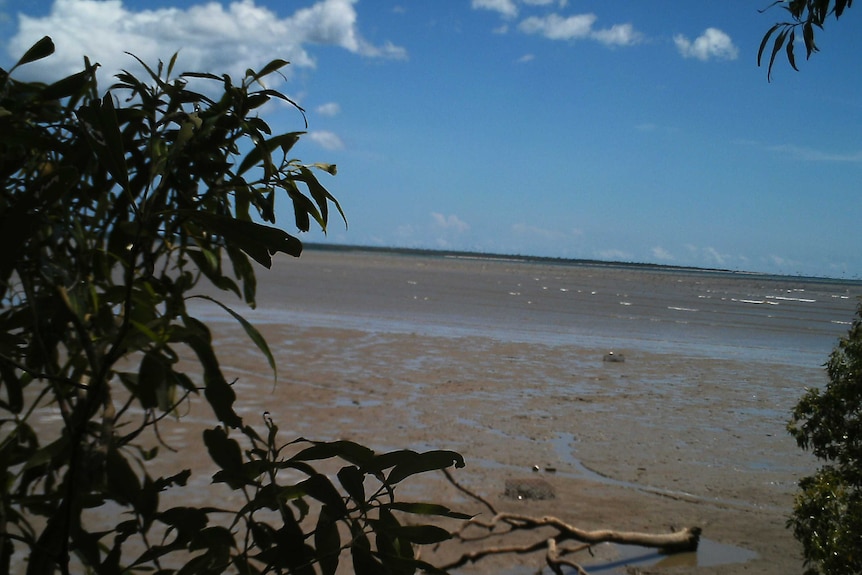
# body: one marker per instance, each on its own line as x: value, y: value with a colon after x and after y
x: 827, y: 515
x: 114, y: 208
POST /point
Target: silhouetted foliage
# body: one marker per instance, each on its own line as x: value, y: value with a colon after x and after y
x: 827, y: 515
x: 114, y: 208
x: 805, y: 15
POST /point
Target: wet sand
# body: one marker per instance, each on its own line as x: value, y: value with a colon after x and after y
x: 503, y: 362
x: 686, y: 431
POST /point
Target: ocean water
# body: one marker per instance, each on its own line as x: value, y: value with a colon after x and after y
x: 776, y: 319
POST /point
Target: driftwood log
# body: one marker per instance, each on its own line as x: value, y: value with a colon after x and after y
x: 555, y: 552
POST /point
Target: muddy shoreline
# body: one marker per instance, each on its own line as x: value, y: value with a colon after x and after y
x: 502, y: 363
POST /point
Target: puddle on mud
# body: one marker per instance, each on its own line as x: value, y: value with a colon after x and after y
x: 611, y: 559
x: 628, y: 558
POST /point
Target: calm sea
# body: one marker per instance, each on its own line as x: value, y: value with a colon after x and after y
x: 777, y: 319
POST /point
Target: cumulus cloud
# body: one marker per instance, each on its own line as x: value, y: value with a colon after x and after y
x: 555, y: 27
x: 506, y: 8
x: 579, y: 27
x: 713, y: 43
x: 618, y: 35
x: 509, y: 8
x: 450, y: 222
x: 328, y: 109
x: 526, y: 58
x: 326, y: 140
x: 208, y: 36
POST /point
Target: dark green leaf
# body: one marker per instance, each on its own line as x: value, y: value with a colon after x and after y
x: 327, y: 541
x: 790, y: 56
x: 352, y: 480
x: 427, y: 509
x: 103, y: 133
x: 764, y: 41
x: 839, y: 7
x: 69, y: 86
x: 271, y: 67
x: 423, y: 534
x: 776, y: 46
x: 41, y: 49
x: 291, y: 551
x: 213, y: 538
x: 251, y: 331
x: 264, y: 535
x: 217, y: 392
x: 422, y: 462
x: 258, y: 241
x: 346, y: 450
x: 364, y: 562
x: 244, y: 271
x: 320, y: 488
x: 12, y: 384
x: 808, y: 38
x: 49, y: 452
x: 263, y: 150
x: 224, y: 451
x: 186, y: 520
x: 256, y: 100
x: 123, y: 483
x: 152, y: 375
x: 204, y: 261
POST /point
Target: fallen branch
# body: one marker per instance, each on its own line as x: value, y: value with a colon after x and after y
x: 556, y: 562
x: 673, y: 542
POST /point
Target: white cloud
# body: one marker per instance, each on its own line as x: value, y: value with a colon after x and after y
x: 509, y: 8
x: 577, y: 27
x: 709, y: 256
x: 813, y: 155
x: 450, y: 222
x: 555, y: 27
x: 526, y: 58
x: 618, y: 35
x: 329, y: 109
x: 662, y: 254
x: 210, y: 36
x: 713, y: 43
x: 326, y: 140
x: 506, y: 8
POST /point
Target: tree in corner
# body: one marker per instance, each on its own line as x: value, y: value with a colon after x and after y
x: 827, y: 514
x: 805, y: 15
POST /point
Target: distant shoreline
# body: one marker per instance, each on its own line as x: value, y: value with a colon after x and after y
x: 467, y: 255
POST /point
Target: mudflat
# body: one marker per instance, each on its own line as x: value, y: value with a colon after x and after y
x: 504, y: 362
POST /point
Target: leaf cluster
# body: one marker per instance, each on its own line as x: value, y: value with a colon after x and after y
x: 804, y: 14
x: 306, y: 525
x: 117, y: 210
x: 827, y: 516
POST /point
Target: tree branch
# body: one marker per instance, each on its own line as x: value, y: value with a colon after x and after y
x: 673, y: 542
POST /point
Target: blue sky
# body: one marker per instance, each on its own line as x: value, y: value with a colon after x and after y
x: 581, y: 129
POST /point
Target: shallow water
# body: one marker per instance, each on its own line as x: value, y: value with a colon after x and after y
x: 788, y: 320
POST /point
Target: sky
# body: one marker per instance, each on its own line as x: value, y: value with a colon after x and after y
x: 585, y: 129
